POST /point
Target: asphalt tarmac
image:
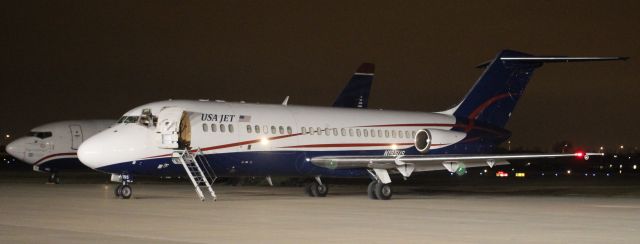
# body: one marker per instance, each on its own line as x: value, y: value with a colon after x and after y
x: 171, y: 213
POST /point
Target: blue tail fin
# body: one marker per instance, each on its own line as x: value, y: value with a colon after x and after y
x: 495, y: 94
x: 356, y: 93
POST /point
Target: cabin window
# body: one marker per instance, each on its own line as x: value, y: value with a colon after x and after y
x: 327, y: 132
x: 213, y: 128
x: 358, y: 132
x: 205, y: 127
x: 335, y: 131
x: 222, y: 128
x: 310, y: 131
x: 273, y: 130
x: 393, y: 134
x: 400, y: 134
x: 289, y: 130
x: 350, y: 132
x: 303, y: 130
x: 413, y: 134
x: 281, y: 129
x: 248, y: 128
x: 257, y: 129
x: 407, y: 134
x: 319, y: 131
x: 265, y: 129
x: 230, y: 128
x: 386, y: 133
x: 373, y: 133
x: 366, y: 133
x: 379, y: 133
x: 343, y: 131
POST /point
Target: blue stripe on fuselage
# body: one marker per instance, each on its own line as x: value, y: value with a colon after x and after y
x: 279, y: 163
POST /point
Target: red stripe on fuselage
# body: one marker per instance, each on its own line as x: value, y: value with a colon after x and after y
x: 349, y: 145
x: 54, y: 155
x: 409, y: 125
x: 232, y: 144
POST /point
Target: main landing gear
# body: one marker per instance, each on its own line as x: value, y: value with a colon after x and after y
x: 379, y: 191
x: 316, y: 188
x: 380, y: 186
x: 53, y: 178
x: 123, y: 190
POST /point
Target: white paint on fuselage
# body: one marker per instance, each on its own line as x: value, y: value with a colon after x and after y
x: 131, y: 142
x: 54, y: 141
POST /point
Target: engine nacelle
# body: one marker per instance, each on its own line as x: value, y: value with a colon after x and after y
x: 425, y: 138
x: 422, y: 141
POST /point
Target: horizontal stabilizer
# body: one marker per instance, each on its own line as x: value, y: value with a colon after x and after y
x: 555, y: 59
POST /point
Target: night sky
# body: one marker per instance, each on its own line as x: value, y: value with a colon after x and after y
x: 97, y: 59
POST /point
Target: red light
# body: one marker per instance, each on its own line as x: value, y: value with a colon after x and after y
x: 579, y: 154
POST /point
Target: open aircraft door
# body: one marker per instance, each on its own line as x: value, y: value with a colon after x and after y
x: 76, y: 136
x: 173, y: 129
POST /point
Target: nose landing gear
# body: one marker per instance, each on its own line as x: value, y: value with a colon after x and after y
x: 124, y: 190
x: 53, y: 178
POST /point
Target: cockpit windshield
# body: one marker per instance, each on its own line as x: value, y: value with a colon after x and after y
x: 40, y: 134
x: 128, y: 119
x: 146, y: 119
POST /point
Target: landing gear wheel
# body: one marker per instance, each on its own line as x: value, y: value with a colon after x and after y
x: 118, y: 191
x: 54, y: 179
x: 383, y: 191
x: 320, y: 190
x: 126, y: 192
x: 307, y: 189
x: 371, y: 190
x: 314, y: 189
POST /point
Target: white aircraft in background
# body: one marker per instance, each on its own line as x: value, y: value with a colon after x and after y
x: 52, y: 147
x: 239, y: 139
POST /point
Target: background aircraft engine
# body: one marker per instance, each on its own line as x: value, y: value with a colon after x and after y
x: 422, y: 141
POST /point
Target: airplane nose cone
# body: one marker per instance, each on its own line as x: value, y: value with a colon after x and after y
x: 15, y: 150
x: 121, y: 144
x: 90, y: 153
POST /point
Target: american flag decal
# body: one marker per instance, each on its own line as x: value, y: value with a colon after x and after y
x: 244, y: 118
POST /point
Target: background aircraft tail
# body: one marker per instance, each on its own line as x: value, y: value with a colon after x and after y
x: 356, y: 93
x: 495, y: 94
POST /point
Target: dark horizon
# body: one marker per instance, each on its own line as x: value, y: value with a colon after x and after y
x: 96, y: 60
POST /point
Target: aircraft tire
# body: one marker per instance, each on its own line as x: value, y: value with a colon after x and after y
x: 321, y: 190
x: 126, y: 192
x: 54, y: 179
x: 383, y: 191
x: 307, y: 189
x: 371, y: 190
x: 118, y: 191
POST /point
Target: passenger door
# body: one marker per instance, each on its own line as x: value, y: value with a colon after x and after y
x: 76, y: 136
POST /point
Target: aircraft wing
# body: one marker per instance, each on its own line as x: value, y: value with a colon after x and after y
x: 405, y: 165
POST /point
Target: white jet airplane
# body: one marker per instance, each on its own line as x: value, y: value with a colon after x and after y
x: 52, y: 147
x: 199, y: 138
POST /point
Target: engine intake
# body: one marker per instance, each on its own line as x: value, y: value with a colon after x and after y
x: 423, y: 140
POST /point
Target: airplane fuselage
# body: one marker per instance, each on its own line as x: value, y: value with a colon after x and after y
x: 241, y: 139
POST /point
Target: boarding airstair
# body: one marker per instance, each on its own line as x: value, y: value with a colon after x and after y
x: 198, y: 169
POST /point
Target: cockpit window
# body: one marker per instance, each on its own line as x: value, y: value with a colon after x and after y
x: 40, y: 134
x: 129, y: 119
